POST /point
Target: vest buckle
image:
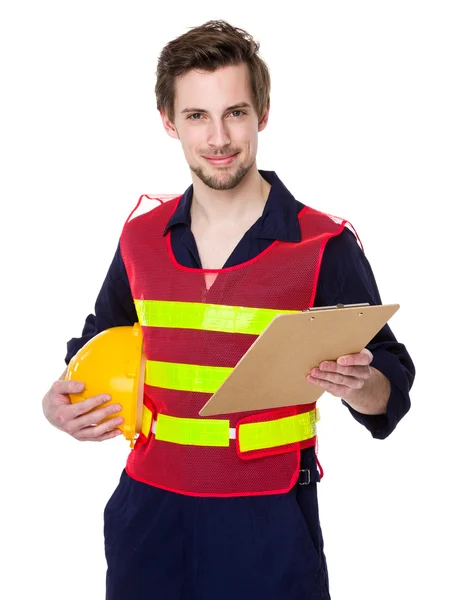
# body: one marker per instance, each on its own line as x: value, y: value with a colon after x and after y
x: 306, y: 478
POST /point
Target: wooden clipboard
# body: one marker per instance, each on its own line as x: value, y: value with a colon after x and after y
x: 272, y: 372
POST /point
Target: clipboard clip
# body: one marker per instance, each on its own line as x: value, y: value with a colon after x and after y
x: 315, y: 308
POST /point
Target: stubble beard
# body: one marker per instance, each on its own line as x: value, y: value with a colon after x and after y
x: 226, y: 181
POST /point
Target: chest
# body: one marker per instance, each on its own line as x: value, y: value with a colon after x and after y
x: 215, y: 245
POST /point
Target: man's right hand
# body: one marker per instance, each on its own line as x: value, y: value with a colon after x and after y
x: 77, y: 419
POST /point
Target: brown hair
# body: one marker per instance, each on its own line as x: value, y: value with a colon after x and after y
x: 208, y: 47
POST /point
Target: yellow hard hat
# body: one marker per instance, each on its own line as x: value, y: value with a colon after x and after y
x: 113, y: 363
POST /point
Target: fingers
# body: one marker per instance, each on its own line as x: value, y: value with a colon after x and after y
x: 95, y: 416
x: 98, y: 433
x: 63, y: 414
x: 343, y: 376
x: 332, y: 367
x: 85, y: 420
x: 86, y: 416
x: 81, y: 408
x: 107, y: 436
x: 72, y: 417
x: 327, y: 380
x: 62, y: 386
x: 340, y: 391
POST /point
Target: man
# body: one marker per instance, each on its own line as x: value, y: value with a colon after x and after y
x: 207, y: 520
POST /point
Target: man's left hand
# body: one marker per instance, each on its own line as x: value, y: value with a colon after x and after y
x: 345, y: 376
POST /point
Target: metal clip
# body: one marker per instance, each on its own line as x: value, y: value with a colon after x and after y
x: 315, y: 308
x: 307, y: 479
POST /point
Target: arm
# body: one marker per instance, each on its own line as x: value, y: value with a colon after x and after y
x: 381, y: 399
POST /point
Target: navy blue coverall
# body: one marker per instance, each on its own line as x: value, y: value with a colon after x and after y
x: 166, y: 546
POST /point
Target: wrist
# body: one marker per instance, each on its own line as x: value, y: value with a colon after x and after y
x: 373, y: 397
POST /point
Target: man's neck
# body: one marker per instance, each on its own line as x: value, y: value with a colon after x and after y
x: 246, y: 200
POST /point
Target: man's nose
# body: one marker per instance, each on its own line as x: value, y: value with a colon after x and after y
x: 218, y: 134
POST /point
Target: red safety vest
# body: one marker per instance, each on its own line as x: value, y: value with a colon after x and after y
x: 197, y: 324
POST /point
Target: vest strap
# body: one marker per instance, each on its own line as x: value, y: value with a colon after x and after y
x: 217, y: 432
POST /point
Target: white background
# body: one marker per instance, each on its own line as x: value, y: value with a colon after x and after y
x: 361, y: 126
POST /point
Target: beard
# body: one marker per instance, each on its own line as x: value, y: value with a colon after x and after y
x: 226, y: 181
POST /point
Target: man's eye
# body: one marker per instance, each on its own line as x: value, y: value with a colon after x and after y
x: 195, y: 116
x: 238, y: 113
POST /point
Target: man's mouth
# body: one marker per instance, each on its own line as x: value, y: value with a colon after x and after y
x: 221, y: 160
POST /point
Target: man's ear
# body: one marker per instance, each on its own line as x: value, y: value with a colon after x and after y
x: 264, y: 120
x: 168, y: 126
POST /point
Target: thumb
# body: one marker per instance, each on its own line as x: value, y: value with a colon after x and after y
x: 368, y: 354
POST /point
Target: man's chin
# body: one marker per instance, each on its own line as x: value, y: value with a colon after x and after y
x: 223, y: 179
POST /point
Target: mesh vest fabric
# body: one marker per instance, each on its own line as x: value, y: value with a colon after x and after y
x: 282, y: 278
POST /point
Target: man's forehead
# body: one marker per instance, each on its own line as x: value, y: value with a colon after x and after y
x: 227, y: 86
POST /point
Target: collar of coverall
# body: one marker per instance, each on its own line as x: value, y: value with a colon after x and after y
x: 279, y: 220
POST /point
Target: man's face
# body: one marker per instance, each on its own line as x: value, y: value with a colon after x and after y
x: 217, y: 124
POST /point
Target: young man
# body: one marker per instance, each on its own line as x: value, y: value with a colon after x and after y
x: 203, y: 520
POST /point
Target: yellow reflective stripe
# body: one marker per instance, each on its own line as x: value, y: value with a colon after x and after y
x: 279, y: 432
x: 147, y: 417
x: 252, y: 436
x: 196, y: 432
x: 186, y: 378
x: 207, y: 317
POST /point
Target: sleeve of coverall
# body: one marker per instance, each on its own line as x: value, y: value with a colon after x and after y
x: 346, y: 277
x: 114, y: 306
